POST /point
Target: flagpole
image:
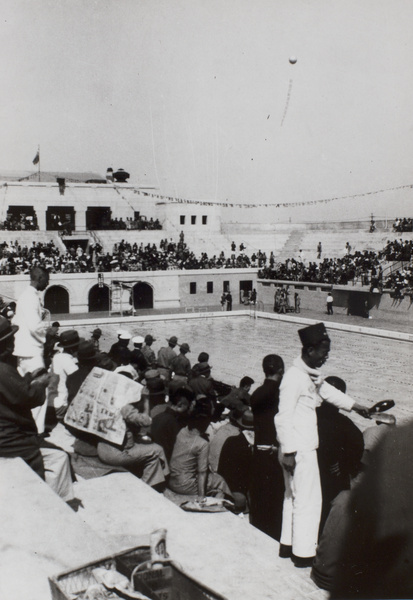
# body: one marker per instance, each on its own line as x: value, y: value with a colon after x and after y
x: 38, y: 153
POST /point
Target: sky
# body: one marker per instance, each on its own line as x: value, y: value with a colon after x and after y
x: 199, y: 98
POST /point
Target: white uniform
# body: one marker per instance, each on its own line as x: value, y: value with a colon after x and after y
x: 29, y: 341
x: 296, y: 425
x: 31, y: 336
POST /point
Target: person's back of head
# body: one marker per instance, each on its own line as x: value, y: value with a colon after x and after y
x: 200, y: 413
x: 246, y: 382
x: 272, y: 365
x: 39, y: 278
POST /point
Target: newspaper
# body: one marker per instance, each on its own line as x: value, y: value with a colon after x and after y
x: 96, y: 406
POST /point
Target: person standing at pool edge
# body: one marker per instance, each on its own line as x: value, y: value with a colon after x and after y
x: 302, y: 390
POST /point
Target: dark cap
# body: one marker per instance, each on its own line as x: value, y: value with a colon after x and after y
x: 97, y: 331
x: 156, y: 387
x: 185, y: 347
x: 173, y: 340
x: 313, y: 335
x: 202, y: 368
x: 69, y: 339
x: 246, y: 420
x: 149, y: 339
x: 86, y: 351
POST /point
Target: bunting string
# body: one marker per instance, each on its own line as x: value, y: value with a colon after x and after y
x: 270, y: 204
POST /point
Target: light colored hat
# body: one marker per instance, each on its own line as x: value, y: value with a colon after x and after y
x: 125, y: 335
x: 138, y: 339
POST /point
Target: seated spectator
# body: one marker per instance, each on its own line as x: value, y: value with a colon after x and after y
x: 231, y: 427
x: 96, y: 335
x: 157, y: 396
x: 167, y: 424
x: 144, y: 460
x: 235, y: 462
x: 118, y: 347
x: 147, y: 350
x: 239, y: 397
x: 138, y: 359
x: 200, y: 382
x: 180, y: 368
x: 125, y: 366
x: 189, y: 461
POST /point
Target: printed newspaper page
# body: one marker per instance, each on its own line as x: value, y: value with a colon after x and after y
x: 96, y: 406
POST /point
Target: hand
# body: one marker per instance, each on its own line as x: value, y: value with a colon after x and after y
x: 288, y: 462
x: 362, y: 410
x: 318, y: 380
x: 42, y: 381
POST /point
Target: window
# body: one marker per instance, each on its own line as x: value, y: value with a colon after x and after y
x: 182, y: 219
x: 193, y: 220
x: 192, y: 287
x: 204, y: 219
x: 225, y: 287
x: 210, y: 287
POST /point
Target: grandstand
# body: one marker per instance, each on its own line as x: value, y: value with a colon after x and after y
x: 78, y: 212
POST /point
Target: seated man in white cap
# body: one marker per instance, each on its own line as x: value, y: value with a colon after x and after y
x: 138, y: 360
x: 124, y: 338
x: 302, y: 390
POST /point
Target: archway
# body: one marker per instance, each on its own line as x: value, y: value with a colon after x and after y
x: 142, y: 296
x: 56, y: 299
x: 99, y: 298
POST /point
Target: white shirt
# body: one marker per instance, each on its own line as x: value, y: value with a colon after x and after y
x: 63, y: 364
x: 31, y: 336
x: 296, y: 420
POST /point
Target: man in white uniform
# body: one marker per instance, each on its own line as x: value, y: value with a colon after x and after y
x: 302, y: 390
x: 31, y: 336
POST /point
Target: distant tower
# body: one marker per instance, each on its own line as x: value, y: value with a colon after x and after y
x: 109, y: 174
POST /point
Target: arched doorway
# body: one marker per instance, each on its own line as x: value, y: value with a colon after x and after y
x: 56, y: 299
x: 99, y: 298
x: 142, y: 296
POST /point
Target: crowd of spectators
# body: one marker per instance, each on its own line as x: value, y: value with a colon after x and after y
x: 397, y: 250
x: 21, y: 222
x: 16, y: 259
x: 402, y: 225
x: 400, y: 283
x: 170, y: 255
x: 138, y: 223
x: 359, y: 265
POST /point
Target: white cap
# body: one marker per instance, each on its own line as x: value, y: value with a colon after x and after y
x: 138, y: 340
x: 124, y: 335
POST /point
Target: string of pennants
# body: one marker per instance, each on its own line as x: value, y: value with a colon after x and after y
x: 268, y: 204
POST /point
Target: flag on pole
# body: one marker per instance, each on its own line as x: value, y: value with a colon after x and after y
x: 36, y: 158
